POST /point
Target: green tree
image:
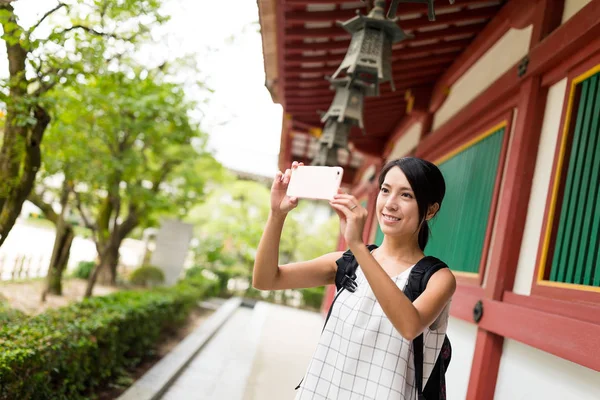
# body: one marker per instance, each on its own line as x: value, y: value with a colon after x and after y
x: 322, y: 240
x: 138, y: 155
x: 233, y: 218
x: 65, y: 233
x: 234, y: 215
x: 84, y: 36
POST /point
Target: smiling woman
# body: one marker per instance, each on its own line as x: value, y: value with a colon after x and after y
x: 368, y: 344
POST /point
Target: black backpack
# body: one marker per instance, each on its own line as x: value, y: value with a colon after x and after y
x: 345, y: 279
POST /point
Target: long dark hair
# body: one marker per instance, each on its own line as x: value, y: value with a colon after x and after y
x: 427, y: 183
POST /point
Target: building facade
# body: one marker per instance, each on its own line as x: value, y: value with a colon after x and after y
x: 512, y: 118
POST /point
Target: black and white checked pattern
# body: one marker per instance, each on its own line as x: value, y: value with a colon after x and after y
x: 360, y: 354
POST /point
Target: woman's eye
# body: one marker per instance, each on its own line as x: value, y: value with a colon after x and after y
x: 384, y: 190
x: 407, y: 195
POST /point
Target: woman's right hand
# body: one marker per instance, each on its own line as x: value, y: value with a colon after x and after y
x: 281, y: 203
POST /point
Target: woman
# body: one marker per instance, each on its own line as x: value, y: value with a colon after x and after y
x: 365, y: 349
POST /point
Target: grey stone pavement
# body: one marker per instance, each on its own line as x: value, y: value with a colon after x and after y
x: 258, y: 354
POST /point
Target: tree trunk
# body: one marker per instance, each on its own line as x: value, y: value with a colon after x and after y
x: 108, y: 251
x: 102, y: 270
x: 60, y: 258
x: 108, y: 273
x: 20, y: 156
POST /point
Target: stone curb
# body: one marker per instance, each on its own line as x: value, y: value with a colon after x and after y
x: 153, y: 384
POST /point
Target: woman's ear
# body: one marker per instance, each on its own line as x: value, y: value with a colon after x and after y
x: 433, y: 209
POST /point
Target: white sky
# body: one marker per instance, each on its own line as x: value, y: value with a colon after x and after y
x: 243, y: 123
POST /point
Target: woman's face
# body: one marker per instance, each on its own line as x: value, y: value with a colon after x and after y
x: 397, y: 209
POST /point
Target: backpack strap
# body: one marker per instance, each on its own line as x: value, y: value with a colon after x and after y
x: 345, y: 277
x: 416, y: 284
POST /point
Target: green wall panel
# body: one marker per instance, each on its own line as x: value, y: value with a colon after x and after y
x: 576, y: 254
x: 378, y: 235
x: 458, y: 231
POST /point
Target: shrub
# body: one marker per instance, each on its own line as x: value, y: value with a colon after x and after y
x: 194, y: 271
x: 313, y: 297
x: 147, y: 276
x: 66, y: 353
x: 84, y: 269
x: 9, y: 315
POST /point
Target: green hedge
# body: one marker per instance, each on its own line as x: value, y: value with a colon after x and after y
x: 66, y: 353
x: 84, y: 269
x: 147, y: 276
x: 313, y: 297
x: 9, y: 315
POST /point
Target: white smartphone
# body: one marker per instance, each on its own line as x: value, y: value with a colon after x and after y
x: 315, y: 182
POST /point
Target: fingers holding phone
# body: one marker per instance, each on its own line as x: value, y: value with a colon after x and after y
x: 280, y: 201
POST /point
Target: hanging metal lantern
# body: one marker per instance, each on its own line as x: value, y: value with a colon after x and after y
x: 430, y: 8
x: 348, y: 101
x: 334, y: 137
x: 336, y: 133
x: 326, y: 156
x: 369, y: 56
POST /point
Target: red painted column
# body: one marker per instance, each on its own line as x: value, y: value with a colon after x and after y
x: 513, y: 205
x: 512, y: 211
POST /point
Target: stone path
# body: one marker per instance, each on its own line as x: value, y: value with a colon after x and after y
x: 258, y: 354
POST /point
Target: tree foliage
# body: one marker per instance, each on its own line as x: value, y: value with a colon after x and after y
x: 70, y: 41
x: 132, y: 152
x: 231, y: 222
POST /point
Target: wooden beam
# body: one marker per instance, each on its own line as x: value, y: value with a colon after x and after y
x: 400, y: 78
x: 280, y: 26
x: 370, y: 146
x: 369, y: 101
x: 296, y: 34
x: 386, y: 92
x: 295, y: 47
x: 399, y: 66
x: 402, y: 49
x: 375, y: 104
x: 304, y: 101
x: 299, y: 18
x: 413, y: 54
x: 545, y: 19
x: 565, y: 337
x: 403, y: 81
x: 589, y: 312
x: 304, y: 3
x: 496, y: 28
x: 335, y: 59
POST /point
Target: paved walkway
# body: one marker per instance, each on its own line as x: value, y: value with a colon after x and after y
x: 258, y: 354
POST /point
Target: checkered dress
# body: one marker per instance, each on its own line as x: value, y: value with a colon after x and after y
x: 360, y: 354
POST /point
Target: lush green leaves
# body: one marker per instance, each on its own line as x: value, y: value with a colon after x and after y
x: 231, y: 222
x: 147, y: 276
x: 131, y: 138
x: 72, y: 40
x: 64, y: 353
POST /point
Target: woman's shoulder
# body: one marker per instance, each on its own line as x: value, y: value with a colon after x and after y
x: 444, y: 279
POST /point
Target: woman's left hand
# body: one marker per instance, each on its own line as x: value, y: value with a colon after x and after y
x: 352, y: 215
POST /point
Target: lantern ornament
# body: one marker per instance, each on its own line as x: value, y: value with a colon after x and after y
x: 367, y: 64
x: 348, y: 101
x: 334, y: 138
x: 369, y: 56
x: 326, y: 156
x: 430, y: 8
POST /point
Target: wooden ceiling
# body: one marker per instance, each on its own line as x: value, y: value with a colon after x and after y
x: 314, y: 46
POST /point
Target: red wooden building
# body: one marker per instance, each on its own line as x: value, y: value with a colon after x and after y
x: 505, y: 97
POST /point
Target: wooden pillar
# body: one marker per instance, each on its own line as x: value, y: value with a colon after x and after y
x: 512, y: 212
x: 513, y: 206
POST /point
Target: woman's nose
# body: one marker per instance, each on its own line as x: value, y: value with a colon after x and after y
x: 391, y: 205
